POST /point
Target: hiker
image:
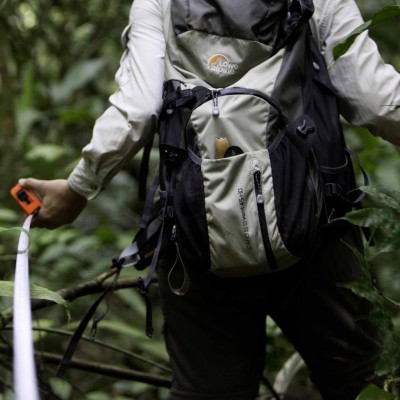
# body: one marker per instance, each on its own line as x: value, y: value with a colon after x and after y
x: 215, y: 332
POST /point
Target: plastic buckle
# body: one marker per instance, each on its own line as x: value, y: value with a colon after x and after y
x: 304, y: 129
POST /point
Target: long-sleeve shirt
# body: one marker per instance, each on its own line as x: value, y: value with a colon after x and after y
x: 367, y: 88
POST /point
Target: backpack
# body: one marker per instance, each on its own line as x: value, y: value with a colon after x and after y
x: 254, y: 172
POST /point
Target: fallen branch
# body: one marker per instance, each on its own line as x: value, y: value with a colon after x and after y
x: 96, y: 285
x: 102, y: 369
x: 84, y: 289
x: 103, y: 345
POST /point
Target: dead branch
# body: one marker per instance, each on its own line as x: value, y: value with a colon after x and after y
x: 102, y: 369
x: 96, y: 285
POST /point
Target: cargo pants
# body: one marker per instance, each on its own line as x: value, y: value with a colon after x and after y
x: 216, y: 335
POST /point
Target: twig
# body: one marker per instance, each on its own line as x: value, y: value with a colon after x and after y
x: 97, y: 285
x: 108, y: 370
x: 102, y: 369
x: 104, y: 345
x: 84, y: 289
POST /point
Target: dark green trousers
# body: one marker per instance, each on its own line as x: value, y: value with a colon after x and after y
x: 215, y: 334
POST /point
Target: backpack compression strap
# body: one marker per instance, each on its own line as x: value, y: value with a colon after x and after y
x: 69, y: 352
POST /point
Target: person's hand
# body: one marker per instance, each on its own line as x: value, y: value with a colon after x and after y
x: 60, y: 204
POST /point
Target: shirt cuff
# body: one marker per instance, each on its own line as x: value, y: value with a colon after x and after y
x: 84, y: 182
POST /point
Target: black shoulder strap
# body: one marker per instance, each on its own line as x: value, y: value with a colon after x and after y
x: 299, y: 13
x: 144, y: 169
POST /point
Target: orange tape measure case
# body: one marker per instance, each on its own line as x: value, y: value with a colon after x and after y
x: 26, y: 199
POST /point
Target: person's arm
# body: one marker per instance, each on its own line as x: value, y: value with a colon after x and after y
x: 124, y: 127
x: 128, y: 124
x: 368, y: 89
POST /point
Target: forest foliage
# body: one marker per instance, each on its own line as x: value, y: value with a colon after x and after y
x: 57, y: 66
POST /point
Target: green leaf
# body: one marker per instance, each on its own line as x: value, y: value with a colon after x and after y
x: 388, y: 245
x: 61, y: 388
x: 11, y: 229
x: 48, y: 153
x: 37, y: 292
x: 70, y: 115
x: 372, y: 392
x: 25, y: 118
x: 8, y: 216
x: 28, y: 83
x: 345, y: 45
x: 380, y: 16
x: 387, y: 197
x: 365, y: 288
x: 76, y: 78
x: 154, y: 347
x: 390, y: 360
x: 372, y: 217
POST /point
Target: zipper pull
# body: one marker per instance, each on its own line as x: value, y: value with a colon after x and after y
x: 258, y: 182
x: 215, y: 109
x: 258, y: 187
x: 173, y: 234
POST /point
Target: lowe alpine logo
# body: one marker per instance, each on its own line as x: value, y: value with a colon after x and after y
x: 221, y: 65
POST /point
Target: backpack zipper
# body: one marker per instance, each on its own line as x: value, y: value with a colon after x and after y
x: 215, y: 93
x: 263, y: 220
x: 215, y: 109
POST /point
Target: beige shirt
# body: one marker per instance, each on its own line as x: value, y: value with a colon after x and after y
x: 368, y: 89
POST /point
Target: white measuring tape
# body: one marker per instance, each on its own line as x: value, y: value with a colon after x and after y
x: 25, y: 380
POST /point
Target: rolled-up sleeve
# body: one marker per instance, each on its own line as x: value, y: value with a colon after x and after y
x: 130, y: 121
x: 368, y: 89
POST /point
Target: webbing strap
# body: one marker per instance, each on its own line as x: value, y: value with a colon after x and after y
x: 69, y: 352
x: 144, y: 283
x: 149, y: 202
x: 25, y: 380
x: 144, y: 169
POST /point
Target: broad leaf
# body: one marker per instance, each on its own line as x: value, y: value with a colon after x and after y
x: 49, y: 153
x: 372, y: 217
x: 76, y: 78
x: 37, y: 292
x: 380, y: 16
x: 387, y: 197
x: 372, y: 392
x: 389, y: 244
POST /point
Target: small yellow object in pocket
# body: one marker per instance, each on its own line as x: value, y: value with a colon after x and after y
x: 221, y: 145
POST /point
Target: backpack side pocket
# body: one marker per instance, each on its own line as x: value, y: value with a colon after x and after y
x: 298, y: 186
x: 190, y: 218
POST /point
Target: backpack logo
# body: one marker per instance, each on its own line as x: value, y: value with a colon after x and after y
x: 221, y: 65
